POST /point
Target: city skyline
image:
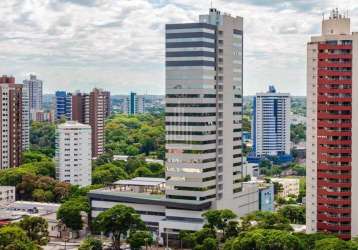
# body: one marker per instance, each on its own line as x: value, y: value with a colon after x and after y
x: 103, y: 45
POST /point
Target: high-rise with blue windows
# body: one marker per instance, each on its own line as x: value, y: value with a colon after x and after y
x: 63, y: 105
x: 134, y: 104
x: 271, y: 125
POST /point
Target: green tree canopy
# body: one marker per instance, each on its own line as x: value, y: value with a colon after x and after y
x: 119, y: 221
x: 14, y: 238
x: 294, y: 213
x: 138, y: 239
x: 36, y: 229
x: 91, y: 243
x: 69, y: 212
x: 266, y: 239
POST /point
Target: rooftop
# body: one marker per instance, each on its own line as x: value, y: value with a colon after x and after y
x: 141, y: 181
x: 73, y: 124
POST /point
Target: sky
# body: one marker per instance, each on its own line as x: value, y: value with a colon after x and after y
x: 118, y: 45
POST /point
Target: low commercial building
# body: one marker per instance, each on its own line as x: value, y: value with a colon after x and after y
x: 7, y: 194
x: 290, y: 186
x: 14, y: 212
x: 147, y: 197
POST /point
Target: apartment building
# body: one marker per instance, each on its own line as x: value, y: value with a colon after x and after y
x: 271, y: 124
x: 87, y: 108
x: 7, y: 194
x: 134, y: 104
x: 332, y: 129
x: 11, y: 113
x: 63, y: 105
x: 34, y: 87
x: 73, y: 153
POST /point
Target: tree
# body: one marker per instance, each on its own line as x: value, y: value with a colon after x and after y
x: 137, y: 239
x: 232, y: 229
x: 308, y: 240
x: 208, y: 244
x: 43, y: 137
x: 333, y: 244
x: 91, y: 243
x: 14, y: 238
x: 266, y: 239
x: 218, y: 219
x: 118, y: 221
x: 108, y: 173
x: 36, y: 229
x: 69, y: 212
x: 298, y: 133
x: 265, y: 220
x: 294, y: 213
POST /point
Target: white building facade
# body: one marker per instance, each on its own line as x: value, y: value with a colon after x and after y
x: 7, y: 194
x: 34, y: 87
x: 271, y: 123
x: 73, y: 153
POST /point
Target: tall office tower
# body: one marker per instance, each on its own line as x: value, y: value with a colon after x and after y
x: 11, y: 122
x: 25, y: 118
x: 204, y: 112
x: 271, y: 124
x: 332, y: 129
x: 63, y: 102
x: 73, y: 153
x: 134, y: 104
x: 34, y: 87
x: 92, y: 109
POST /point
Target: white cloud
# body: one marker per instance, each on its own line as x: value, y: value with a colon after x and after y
x: 119, y: 45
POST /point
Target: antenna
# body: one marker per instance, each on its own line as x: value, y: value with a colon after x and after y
x: 211, y: 4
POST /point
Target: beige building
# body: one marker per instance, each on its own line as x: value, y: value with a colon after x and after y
x: 290, y: 186
x: 7, y: 194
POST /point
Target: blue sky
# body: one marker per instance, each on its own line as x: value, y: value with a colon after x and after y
x: 119, y: 44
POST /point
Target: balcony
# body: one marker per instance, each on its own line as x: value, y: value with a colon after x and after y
x: 334, y: 64
x: 334, y: 81
x: 334, y: 56
x: 334, y: 210
x: 334, y: 184
x: 323, y: 115
x: 333, y: 167
x: 324, y: 90
x: 334, y: 99
x: 334, y: 142
x: 324, y: 72
x: 329, y: 227
x: 335, y: 46
x: 333, y: 219
x: 321, y: 191
x: 334, y: 176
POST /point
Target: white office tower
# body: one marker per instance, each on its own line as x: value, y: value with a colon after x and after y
x: 73, y: 153
x: 34, y: 87
x: 25, y: 118
x: 271, y: 123
x: 204, y: 113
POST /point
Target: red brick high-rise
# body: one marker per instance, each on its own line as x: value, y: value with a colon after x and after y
x: 92, y: 109
x: 11, y: 122
x: 332, y: 129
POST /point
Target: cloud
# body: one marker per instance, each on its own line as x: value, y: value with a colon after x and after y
x: 119, y: 44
